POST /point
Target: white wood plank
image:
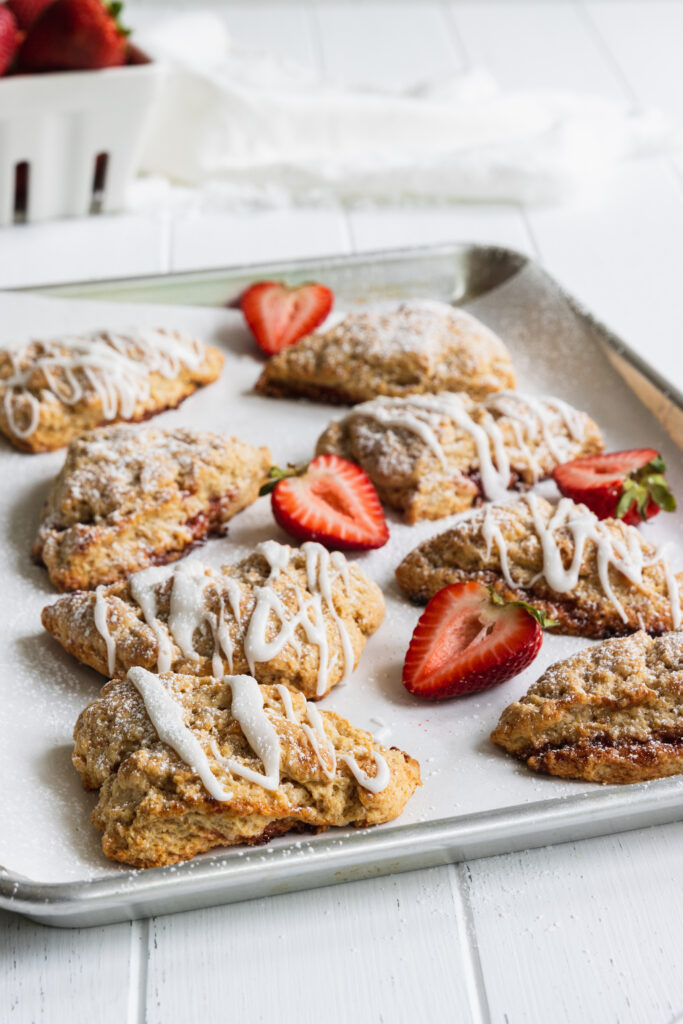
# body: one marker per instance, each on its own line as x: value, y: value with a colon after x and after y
x: 619, y: 252
x: 83, y: 249
x: 644, y: 42
x: 388, y: 950
x: 253, y: 236
x: 389, y: 46
x: 535, y: 45
x: 51, y: 974
x: 583, y: 932
x: 394, y: 227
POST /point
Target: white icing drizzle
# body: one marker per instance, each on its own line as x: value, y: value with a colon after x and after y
x: 166, y: 715
x: 626, y: 554
x: 529, y: 418
x: 102, y: 626
x: 317, y: 737
x: 534, y: 416
x: 373, y: 783
x: 188, y: 612
x: 115, y: 367
x: 143, y: 587
x: 309, y: 616
x: 259, y: 732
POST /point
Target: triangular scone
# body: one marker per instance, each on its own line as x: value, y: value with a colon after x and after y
x: 420, y: 347
x: 301, y: 616
x: 431, y: 456
x: 128, y: 498
x: 185, y: 765
x: 596, y: 578
x: 612, y: 713
x: 51, y: 391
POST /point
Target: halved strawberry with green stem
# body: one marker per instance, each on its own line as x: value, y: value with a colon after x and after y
x: 331, y: 501
x: 469, y: 639
x: 628, y: 485
x: 278, y: 315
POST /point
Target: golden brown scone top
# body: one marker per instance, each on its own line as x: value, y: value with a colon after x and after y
x: 51, y: 391
x: 500, y: 545
x: 421, y: 347
x: 422, y: 452
x: 312, y: 655
x: 612, y: 713
x: 153, y: 807
x: 127, y: 498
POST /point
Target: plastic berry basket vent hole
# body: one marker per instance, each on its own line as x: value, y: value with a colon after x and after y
x: 70, y: 141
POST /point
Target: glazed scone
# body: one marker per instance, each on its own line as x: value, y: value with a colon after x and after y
x: 595, y: 578
x: 51, y: 391
x: 612, y: 713
x: 421, y: 347
x: 185, y: 765
x: 431, y: 456
x: 295, y: 615
x: 127, y: 498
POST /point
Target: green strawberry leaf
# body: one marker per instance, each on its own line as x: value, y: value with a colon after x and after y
x: 276, y: 474
x: 645, y: 485
x: 544, y: 621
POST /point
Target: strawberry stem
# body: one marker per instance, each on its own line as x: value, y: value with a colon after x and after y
x: 644, y: 485
x: 544, y: 621
x: 275, y: 474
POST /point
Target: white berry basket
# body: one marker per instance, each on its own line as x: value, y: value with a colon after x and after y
x: 71, y: 141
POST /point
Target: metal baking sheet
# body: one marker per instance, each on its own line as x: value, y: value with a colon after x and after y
x: 475, y: 801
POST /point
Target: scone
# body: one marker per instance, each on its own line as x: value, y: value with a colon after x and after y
x: 302, y: 616
x: 51, y: 391
x: 596, y: 578
x: 185, y: 765
x: 418, y: 348
x: 612, y: 713
x: 127, y: 498
x: 431, y: 456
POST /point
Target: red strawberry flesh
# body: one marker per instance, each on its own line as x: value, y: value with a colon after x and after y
x: 333, y: 503
x: 464, y: 642
x: 278, y: 316
x: 9, y: 38
x: 628, y: 485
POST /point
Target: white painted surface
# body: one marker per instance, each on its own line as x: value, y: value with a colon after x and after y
x: 579, y: 933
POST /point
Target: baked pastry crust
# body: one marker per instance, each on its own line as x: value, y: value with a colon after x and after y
x: 51, y: 391
x: 422, y: 453
x: 611, y: 713
x: 108, y: 630
x: 418, y: 348
x: 128, y: 498
x: 154, y: 810
x: 476, y: 547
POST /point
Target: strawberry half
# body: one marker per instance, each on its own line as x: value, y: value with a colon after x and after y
x: 75, y: 35
x: 278, y: 315
x: 627, y: 485
x: 9, y: 38
x: 332, y: 501
x: 467, y: 639
x: 27, y: 11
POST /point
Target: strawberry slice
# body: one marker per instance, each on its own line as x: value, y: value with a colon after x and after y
x: 628, y: 485
x: 278, y: 315
x: 332, y: 501
x: 469, y: 639
x: 9, y: 38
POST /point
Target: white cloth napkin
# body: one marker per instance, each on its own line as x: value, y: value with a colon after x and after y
x: 251, y: 127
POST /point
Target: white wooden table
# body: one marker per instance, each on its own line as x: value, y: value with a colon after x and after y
x: 582, y: 932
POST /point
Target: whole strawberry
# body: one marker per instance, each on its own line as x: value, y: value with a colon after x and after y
x: 27, y: 11
x: 628, y: 485
x: 75, y: 35
x: 9, y: 38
